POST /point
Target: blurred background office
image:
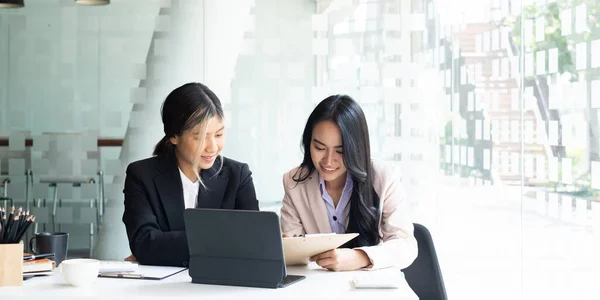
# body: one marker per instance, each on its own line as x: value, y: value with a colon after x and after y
x: 489, y: 107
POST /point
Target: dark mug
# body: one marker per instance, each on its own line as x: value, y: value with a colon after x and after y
x: 46, y: 242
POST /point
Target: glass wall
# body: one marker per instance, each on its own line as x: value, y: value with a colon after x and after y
x: 489, y: 107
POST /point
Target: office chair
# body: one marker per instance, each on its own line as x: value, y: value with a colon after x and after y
x: 424, y: 275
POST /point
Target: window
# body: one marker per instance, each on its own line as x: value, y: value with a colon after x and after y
x: 495, y: 130
x: 504, y: 68
x: 486, y: 130
x: 416, y: 132
x: 529, y: 132
x: 486, y: 159
x: 529, y: 64
x: 540, y: 27
x: 495, y: 39
x: 595, y: 53
x: 540, y: 167
x: 540, y: 62
x: 495, y: 68
x: 514, y: 163
x: 515, y: 131
x: 580, y: 57
x: 514, y: 99
x: 565, y: 20
x: 528, y: 30
x: 528, y: 167
x: 416, y: 156
x: 478, y: 44
x: 417, y: 6
x: 470, y: 156
x: 398, y: 119
x: 471, y: 101
x: 505, y: 131
x: 581, y: 18
x: 398, y: 156
x: 553, y: 60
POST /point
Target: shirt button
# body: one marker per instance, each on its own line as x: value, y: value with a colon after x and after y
x: 334, y: 218
x: 185, y: 263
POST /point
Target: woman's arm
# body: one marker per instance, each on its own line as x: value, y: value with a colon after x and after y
x: 399, y: 247
x: 290, y: 220
x: 246, y: 195
x: 148, y: 243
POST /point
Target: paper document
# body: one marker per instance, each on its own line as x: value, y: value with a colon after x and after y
x: 298, y: 250
x: 146, y: 272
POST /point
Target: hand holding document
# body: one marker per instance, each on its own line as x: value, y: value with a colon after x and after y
x: 298, y: 249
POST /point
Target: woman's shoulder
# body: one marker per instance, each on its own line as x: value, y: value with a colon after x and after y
x: 296, y: 176
x: 384, y: 167
x: 228, y: 162
x: 144, y: 164
x: 385, y: 171
x: 232, y: 166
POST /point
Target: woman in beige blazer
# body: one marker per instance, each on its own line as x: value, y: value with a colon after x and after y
x: 338, y: 188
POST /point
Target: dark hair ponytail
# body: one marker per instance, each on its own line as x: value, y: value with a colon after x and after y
x: 163, y: 147
x: 183, y: 109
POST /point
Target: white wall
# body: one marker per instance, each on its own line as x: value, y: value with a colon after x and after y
x: 272, y: 93
x: 68, y: 68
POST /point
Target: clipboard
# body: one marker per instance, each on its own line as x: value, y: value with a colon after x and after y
x: 145, y: 272
x: 297, y: 250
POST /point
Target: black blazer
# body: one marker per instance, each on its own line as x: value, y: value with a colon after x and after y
x: 154, y: 205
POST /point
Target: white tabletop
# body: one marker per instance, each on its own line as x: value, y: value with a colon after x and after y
x: 319, y: 284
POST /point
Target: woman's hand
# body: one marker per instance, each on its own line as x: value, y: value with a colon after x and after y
x: 342, y: 259
x: 130, y: 258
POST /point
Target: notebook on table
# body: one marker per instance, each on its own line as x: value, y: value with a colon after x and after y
x: 38, y: 265
x: 145, y: 272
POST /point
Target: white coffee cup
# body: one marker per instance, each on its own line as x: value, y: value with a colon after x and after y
x: 80, y: 272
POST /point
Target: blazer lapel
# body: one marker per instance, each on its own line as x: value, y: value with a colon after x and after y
x: 170, y: 189
x: 216, y: 185
x: 316, y: 203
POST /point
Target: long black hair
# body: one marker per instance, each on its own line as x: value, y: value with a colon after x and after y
x: 364, y: 202
x: 184, y: 108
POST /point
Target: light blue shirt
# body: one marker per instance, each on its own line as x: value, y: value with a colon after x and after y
x: 337, y: 215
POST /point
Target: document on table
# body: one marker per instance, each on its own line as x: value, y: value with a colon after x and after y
x: 298, y: 250
x: 146, y: 272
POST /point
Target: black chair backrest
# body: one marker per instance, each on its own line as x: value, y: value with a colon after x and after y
x: 424, y: 275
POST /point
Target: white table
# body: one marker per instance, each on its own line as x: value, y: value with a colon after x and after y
x: 319, y: 284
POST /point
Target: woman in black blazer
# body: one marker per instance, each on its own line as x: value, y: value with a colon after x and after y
x: 186, y: 171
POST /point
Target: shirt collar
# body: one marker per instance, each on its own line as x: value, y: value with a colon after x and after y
x: 347, y: 186
x: 185, y: 179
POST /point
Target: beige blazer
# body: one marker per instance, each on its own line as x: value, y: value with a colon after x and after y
x: 304, y: 212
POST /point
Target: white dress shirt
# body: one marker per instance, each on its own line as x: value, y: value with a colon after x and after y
x: 190, y: 190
